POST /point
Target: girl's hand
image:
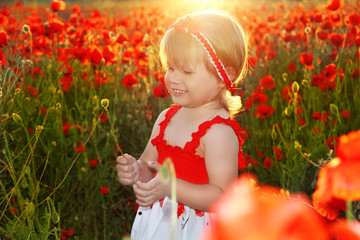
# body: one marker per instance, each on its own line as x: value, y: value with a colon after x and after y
x: 152, y: 191
x: 128, y: 169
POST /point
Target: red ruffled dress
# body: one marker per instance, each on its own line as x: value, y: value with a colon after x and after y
x: 154, y: 222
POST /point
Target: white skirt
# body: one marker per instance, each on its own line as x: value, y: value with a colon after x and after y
x: 155, y: 223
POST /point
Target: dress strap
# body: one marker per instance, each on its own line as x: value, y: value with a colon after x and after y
x: 168, y: 115
x: 241, y: 133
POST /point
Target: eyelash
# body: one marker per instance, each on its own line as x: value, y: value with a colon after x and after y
x: 185, y: 72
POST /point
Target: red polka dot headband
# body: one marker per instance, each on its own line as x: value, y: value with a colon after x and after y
x: 188, y: 25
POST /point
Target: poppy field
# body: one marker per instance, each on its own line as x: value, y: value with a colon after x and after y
x: 80, y: 85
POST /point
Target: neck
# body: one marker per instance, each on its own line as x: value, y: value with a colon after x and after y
x: 201, y: 111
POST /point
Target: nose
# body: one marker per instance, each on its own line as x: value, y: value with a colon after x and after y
x: 173, y: 76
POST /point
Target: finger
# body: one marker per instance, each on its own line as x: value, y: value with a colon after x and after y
x: 130, y: 159
x: 141, y: 192
x: 126, y: 175
x: 154, y: 165
x: 143, y: 204
x: 145, y: 186
x: 121, y: 160
x: 125, y: 168
x: 126, y: 181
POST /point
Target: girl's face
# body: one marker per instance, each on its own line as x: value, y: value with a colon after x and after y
x: 192, y: 88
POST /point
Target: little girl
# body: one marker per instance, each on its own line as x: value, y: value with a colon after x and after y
x: 205, y: 54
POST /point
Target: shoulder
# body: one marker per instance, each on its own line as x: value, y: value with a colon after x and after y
x: 220, y: 141
x: 221, y: 133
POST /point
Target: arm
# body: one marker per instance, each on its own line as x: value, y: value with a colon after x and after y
x: 221, y: 148
x: 221, y: 152
x: 130, y: 170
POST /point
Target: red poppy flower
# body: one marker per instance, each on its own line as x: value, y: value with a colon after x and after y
x: 66, y: 129
x: 317, y: 131
x: 76, y: 9
x: 323, y: 35
x: 104, y: 190
x: 56, y: 25
x: 323, y: 202
x: 307, y: 59
x: 149, y: 115
x: 4, y: 38
x: 100, y: 78
x: 160, y: 91
x: 260, y: 154
x: 339, y: 179
x: 267, y: 82
x: 278, y: 153
x: 123, y: 37
x: 110, y: 55
x: 334, y: 5
x: 79, y: 147
x: 355, y: 74
x: 301, y: 119
x: 57, y: 5
x: 354, y: 19
x: 345, y: 114
x: 337, y: 39
x: 129, y: 81
x: 250, y: 160
x: 251, y: 62
x: 43, y: 110
x: 263, y: 111
x: 331, y: 142
x: 14, y: 211
x: 255, y: 97
x: 263, y: 212
x: 329, y: 72
x: 267, y: 162
x: 345, y: 230
x: 292, y: 68
x: 347, y: 144
x: 333, y: 56
x: 93, y: 163
x: 67, y: 233
x: 103, y: 117
x: 32, y: 91
x: 136, y: 37
x: 67, y: 80
x: 96, y: 55
x: 2, y: 58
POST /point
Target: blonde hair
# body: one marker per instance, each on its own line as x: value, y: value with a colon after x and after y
x: 229, y: 41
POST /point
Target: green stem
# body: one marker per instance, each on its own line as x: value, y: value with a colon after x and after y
x: 112, y: 131
x: 349, y: 211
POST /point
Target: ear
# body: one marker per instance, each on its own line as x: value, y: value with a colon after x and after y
x: 231, y: 72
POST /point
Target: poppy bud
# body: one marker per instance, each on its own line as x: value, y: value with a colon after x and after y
x: 26, y: 28
x: 297, y: 145
x: 305, y: 83
x: 284, y: 76
x: 26, y: 63
x: 273, y: 134
x: 39, y: 128
x: 287, y: 112
x: 295, y: 87
x: 334, y: 109
x: 17, y: 118
x: 105, y: 102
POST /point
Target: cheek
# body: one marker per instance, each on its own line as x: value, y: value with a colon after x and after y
x: 167, y: 79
